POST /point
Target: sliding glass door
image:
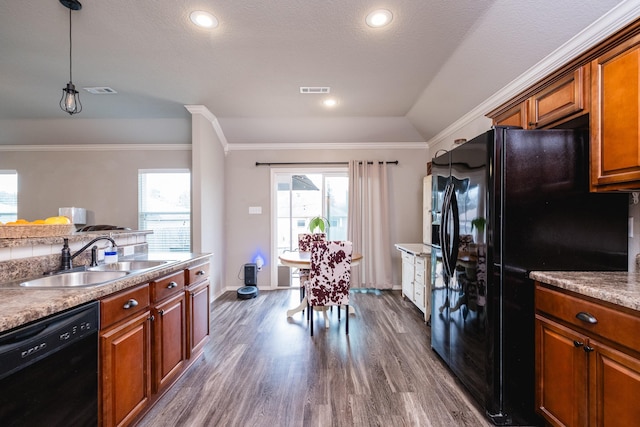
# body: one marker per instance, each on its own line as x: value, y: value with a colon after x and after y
x: 297, y: 196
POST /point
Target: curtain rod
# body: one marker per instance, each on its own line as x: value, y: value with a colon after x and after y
x: 394, y: 162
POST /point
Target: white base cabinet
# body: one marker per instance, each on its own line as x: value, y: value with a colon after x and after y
x: 416, y: 283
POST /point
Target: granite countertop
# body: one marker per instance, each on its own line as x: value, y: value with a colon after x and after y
x: 617, y: 287
x: 418, y: 249
x: 19, y: 305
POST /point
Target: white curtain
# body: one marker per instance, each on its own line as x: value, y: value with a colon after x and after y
x: 368, y: 224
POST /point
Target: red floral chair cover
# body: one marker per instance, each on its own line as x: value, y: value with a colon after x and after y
x: 330, y: 276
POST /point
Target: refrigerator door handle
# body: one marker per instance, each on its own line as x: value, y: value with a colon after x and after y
x: 444, y: 232
x: 450, y: 239
x: 453, y: 258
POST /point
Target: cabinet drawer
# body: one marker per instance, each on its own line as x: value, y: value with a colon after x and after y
x: 167, y: 286
x: 197, y: 273
x: 407, y: 257
x: 123, y: 304
x: 611, y: 323
x: 420, y: 263
x: 419, y: 277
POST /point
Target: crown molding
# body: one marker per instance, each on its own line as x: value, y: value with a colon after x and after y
x: 616, y: 19
x: 98, y: 147
x: 204, y: 111
x: 330, y: 146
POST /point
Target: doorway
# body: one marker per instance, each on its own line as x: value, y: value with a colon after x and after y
x: 297, y: 196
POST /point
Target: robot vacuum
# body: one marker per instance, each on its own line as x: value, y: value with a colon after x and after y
x: 247, y: 292
x: 250, y: 289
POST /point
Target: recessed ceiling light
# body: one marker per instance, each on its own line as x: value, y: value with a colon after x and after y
x: 203, y: 19
x: 379, y: 18
x: 329, y: 102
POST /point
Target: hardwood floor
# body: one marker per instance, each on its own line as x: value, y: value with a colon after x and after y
x: 261, y: 368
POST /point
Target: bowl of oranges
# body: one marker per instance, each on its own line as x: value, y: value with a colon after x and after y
x: 48, y: 227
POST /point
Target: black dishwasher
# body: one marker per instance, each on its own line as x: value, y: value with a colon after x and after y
x: 49, y: 371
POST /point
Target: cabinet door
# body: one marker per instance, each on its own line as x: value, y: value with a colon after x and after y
x: 564, y: 99
x: 125, y: 367
x: 407, y: 275
x: 198, y: 314
x: 561, y: 374
x: 615, y: 382
x: 514, y: 116
x: 615, y: 114
x: 169, y: 340
x: 419, y: 283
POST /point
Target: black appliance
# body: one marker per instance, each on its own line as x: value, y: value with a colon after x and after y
x: 505, y: 203
x: 49, y: 371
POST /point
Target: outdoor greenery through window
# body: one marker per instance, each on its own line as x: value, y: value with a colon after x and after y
x: 164, y: 206
x: 8, y: 195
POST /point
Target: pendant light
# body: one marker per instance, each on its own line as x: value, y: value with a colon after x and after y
x: 70, y: 101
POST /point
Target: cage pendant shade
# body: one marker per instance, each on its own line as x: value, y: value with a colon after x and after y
x: 70, y: 101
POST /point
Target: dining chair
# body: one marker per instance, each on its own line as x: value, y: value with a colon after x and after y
x: 329, y: 277
x: 305, y: 240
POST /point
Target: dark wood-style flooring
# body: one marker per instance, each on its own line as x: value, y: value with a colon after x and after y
x: 262, y: 369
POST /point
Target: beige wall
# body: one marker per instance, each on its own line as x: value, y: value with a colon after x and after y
x: 103, y: 182
x: 249, y: 185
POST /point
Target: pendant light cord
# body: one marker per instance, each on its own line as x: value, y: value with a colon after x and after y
x: 70, y: 46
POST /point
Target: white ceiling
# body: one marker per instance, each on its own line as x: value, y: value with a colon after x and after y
x: 407, y: 82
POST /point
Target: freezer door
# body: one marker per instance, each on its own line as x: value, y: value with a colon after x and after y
x: 458, y: 319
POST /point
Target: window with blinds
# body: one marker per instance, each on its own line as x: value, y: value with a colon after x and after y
x: 8, y: 195
x: 164, y: 206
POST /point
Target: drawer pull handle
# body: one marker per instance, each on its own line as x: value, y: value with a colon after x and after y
x: 200, y: 273
x: 151, y: 318
x: 588, y: 349
x: 172, y: 285
x: 578, y: 344
x: 586, y: 317
x: 130, y: 304
x: 161, y: 312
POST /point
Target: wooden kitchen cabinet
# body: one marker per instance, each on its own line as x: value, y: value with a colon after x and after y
x: 169, y: 329
x: 587, y: 360
x: 149, y: 335
x: 562, y: 380
x: 197, y: 294
x: 615, y: 114
x: 561, y: 101
x: 564, y: 99
x: 517, y: 115
x: 125, y: 356
x: 415, y: 282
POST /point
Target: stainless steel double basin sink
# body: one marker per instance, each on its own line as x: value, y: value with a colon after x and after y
x: 92, y: 276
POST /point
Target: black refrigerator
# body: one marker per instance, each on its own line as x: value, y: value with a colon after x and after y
x: 505, y: 203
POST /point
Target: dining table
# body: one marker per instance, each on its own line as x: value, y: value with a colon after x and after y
x: 302, y: 260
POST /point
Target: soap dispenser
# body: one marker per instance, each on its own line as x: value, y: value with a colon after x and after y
x: 110, y: 255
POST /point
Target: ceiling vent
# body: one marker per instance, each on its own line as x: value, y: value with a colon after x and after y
x: 314, y: 89
x: 100, y: 90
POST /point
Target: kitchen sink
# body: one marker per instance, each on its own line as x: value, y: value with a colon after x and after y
x: 128, y: 266
x: 76, y: 279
